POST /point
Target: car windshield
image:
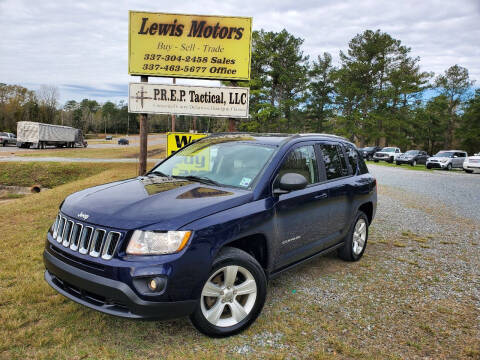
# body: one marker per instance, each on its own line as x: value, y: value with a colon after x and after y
x: 226, y: 160
x: 444, y: 154
x: 411, y: 152
x: 388, y: 149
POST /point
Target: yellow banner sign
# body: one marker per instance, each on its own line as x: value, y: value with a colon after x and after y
x: 176, y: 141
x: 191, y: 46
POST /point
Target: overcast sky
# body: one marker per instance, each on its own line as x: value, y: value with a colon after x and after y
x: 81, y: 46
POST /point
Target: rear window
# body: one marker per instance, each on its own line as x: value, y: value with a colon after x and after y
x: 333, y: 159
x: 356, y: 160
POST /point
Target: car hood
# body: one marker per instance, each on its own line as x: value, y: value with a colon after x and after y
x: 385, y: 152
x: 166, y: 204
x: 438, y: 158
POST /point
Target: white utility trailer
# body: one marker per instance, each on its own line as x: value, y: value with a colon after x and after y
x: 39, y: 135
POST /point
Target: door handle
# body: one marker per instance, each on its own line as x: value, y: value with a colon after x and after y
x: 321, y: 196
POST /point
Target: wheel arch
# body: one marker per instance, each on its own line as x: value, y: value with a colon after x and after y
x: 367, y: 208
x: 253, y: 244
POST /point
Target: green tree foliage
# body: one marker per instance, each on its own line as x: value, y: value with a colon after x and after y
x: 321, y: 90
x: 455, y: 85
x: 279, y: 80
x: 469, y: 129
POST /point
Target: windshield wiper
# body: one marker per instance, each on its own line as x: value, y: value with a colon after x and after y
x: 201, y: 179
x: 159, y: 173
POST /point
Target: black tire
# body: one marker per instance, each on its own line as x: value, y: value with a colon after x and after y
x: 449, y: 167
x: 468, y: 171
x: 4, y: 143
x: 390, y: 160
x: 233, y: 256
x: 346, y: 252
x: 375, y: 160
x: 428, y: 166
x: 413, y: 163
x: 398, y: 163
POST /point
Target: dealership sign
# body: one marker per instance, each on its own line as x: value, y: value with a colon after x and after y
x: 191, y: 46
x: 188, y: 100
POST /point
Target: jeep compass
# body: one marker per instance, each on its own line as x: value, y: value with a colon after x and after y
x: 201, y: 233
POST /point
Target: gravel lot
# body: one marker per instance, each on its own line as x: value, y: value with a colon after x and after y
x: 459, y: 190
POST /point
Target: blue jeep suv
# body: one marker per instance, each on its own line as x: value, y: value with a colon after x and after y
x: 204, y: 230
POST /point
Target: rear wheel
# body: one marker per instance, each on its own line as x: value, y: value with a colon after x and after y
x: 398, y: 163
x: 468, y: 171
x: 233, y: 295
x: 356, y: 240
x: 414, y: 163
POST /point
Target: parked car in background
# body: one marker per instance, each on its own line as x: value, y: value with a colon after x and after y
x: 388, y: 154
x: 447, y: 159
x: 108, y: 137
x: 7, y: 138
x: 202, y: 238
x: 472, y: 164
x: 123, y: 141
x: 369, y: 151
x: 412, y: 157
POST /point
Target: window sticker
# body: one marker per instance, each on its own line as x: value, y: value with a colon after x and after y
x: 245, y: 181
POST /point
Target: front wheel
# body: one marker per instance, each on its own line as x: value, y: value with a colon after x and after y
x: 356, y: 240
x: 398, y: 163
x: 413, y: 163
x: 449, y: 167
x: 390, y: 160
x: 233, y: 296
x: 4, y: 143
x: 468, y: 171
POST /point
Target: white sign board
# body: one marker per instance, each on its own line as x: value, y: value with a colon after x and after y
x: 188, y: 100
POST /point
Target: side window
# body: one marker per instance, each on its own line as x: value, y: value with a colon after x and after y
x: 352, y: 158
x: 302, y: 161
x: 332, y: 158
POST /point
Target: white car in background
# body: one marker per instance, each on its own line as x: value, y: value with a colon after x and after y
x: 388, y: 154
x: 447, y: 159
x: 472, y: 163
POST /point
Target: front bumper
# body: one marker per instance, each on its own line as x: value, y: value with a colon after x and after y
x: 436, y: 165
x: 382, y: 158
x: 405, y: 161
x: 106, y: 295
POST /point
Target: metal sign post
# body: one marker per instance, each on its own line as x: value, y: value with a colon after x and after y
x: 142, y: 169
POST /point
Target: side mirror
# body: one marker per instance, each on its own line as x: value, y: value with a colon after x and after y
x: 290, y: 182
x: 455, y: 156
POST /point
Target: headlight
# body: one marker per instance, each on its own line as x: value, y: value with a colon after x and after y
x: 157, y: 243
x: 444, y: 160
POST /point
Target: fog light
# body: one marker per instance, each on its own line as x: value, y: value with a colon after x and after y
x: 152, y: 285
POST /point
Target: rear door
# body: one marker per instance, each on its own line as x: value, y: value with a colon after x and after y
x: 338, y: 180
x: 301, y: 217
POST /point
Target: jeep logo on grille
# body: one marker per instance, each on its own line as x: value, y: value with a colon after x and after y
x: 83, y: 215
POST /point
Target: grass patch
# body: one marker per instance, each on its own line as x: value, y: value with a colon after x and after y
x: 407, y: 167
x: 399, y: 244
x: 154, y: 151
x: 48, y: 174
x: 11, y: 196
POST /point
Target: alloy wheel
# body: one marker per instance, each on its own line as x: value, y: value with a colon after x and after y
x: 359, y: 236
x: 228, y: 296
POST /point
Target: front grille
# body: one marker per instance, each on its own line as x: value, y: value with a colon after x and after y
x: 85, y: 239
